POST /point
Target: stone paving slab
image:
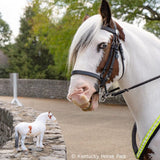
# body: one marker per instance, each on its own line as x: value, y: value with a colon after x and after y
x: 54, y: 145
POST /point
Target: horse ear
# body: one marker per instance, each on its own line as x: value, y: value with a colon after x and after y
x: 105, y: 12
x: 86, y: 17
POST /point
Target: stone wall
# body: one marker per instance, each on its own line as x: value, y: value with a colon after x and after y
x: 6, y: 126
x: 117, y: 100
x: 39, y: 88
x: 5, y: 87
x: 43, y: 88
x: 54, y: 146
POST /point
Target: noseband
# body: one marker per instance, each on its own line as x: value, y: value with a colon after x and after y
x: 116, y: 48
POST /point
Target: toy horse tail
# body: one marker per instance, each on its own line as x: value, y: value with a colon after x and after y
x: 16, y: 138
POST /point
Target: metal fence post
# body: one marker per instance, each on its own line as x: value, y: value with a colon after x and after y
x: 14, y: 77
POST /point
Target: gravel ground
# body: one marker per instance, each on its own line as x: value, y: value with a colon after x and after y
x: 104, y: 134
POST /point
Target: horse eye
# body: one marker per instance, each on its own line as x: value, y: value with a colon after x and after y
x: 102, y: 45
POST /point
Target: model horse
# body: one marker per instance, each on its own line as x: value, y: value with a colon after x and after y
x: 105, y: 50
x: 35, y: 129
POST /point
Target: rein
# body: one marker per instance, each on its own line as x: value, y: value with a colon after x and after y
x: 113, y: 93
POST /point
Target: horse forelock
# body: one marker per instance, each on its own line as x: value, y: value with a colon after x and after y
x: 84, y: 36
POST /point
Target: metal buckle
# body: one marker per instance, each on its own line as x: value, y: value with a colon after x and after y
x: 102, y: 94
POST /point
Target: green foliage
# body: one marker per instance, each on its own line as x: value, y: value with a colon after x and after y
x: 28, y: 56
x: 141, y: 10
x: 42, y: 47
x: 57, y: 36
x: 5, y: 33
x: 5, y: 36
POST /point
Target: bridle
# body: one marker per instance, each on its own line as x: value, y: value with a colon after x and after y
x: 116, y: 48
x: 106, y: 73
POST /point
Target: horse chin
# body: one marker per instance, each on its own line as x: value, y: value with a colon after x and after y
x: 86, y: 103
x: 92, y: 104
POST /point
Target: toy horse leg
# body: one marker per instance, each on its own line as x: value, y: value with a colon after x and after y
x: 22, y: 143
x: 38, y: 141
x: 16, y: 139
x: 41, y: 140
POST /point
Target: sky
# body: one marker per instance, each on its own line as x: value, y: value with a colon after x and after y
x: 11, y: 11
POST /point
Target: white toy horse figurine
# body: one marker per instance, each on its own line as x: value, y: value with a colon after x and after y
x: 37, y: 128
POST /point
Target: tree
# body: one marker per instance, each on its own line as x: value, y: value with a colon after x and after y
x: 147, y: 11
x: 57, y: 34
x: 139, y: 10
x: 5, y: 33
x: 5, y: 36
x: 28, y: 56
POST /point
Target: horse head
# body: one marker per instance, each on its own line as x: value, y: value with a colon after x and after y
x: 94, y: 64
x: 51, y: 116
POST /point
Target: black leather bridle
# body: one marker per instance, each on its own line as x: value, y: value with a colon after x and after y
x: 106, y: 73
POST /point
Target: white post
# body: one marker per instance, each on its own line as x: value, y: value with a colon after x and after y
x: 14, y: 82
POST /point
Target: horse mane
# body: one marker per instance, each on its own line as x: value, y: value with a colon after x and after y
x: 83, y: 37
x: 41, y: 115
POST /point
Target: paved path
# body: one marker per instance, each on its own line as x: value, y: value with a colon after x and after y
x: 104, y: 134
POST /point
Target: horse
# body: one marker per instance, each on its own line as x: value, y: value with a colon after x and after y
x: 36, y: 128
x: 105, y: 51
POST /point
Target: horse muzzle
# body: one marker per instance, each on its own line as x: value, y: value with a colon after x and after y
x: 86, y: 103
